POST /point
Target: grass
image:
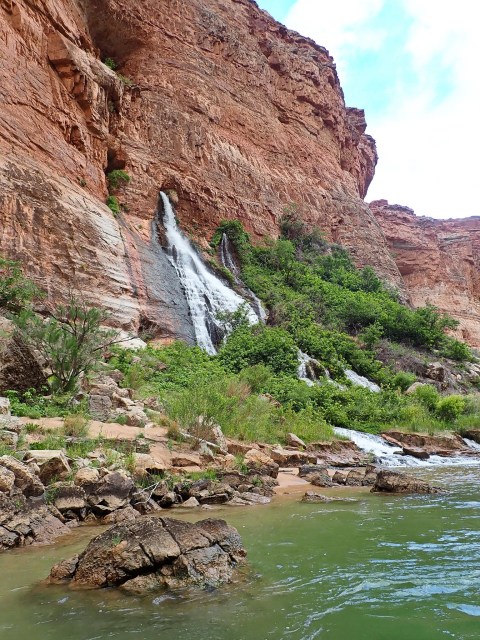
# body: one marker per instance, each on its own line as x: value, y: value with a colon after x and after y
x: 75, y: 425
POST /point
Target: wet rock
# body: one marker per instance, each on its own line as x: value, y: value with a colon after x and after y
x: 312, y: 497
x: 355, y: 478
x: 153, y: 553
x: 394, y: 482
x: 25, y: 479
x: 319, y: 479
x: 416, y: 452
x: 339, y: 477
x: 437, y: 444
x: 168, y: 500
x: 53, y: 464
x: 191, y: 502
x: 370, y: 476
x: 259, y: 462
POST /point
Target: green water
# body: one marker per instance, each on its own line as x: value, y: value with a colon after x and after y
x: 396, y: 568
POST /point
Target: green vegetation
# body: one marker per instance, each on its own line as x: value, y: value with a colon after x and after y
x: 71, y: 340
x: 117, y: 178
x: 318, y: 302
x: 113, y: 204
x: 110, y: 63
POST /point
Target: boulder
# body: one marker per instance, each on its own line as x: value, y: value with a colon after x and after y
x: 338, y: 453
x: 86, y: 477
x: 442, y: 444
x: 295, y: 441
x: 53, y: 464
x: 67, y: 497
x: 185, y: 460
x: 4, y: 407
x: 121, y: 516
x: 152, y: 553
x: 112, y: 492
x: 259, y: 462
x: 25, y: 479
x: 9, y: 438
x: 291, y: 457
x: 191, y: 502
x: 413, y: 387
x: 355, y: 478
x: 100, y: 407
x: 146, y: 464
x: 435, y: 371
x: 7, y: 480
x: 312, y: 497
x: 394, y: 482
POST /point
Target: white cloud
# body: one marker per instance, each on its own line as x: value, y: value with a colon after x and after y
x: 428, y: 142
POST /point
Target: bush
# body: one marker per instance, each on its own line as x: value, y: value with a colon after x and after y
x: 113, y: 204
x: 428, y: 396
x: 75, y: 425
x: 71, y: 341
x: 116, y: 178
x: 110, y: 63
x: 451, y: 407
x: 249, y: 346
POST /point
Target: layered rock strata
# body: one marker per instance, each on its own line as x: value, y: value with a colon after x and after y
x: 216, y: 101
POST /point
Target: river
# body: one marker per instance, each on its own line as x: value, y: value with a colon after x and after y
x: 383, y: 567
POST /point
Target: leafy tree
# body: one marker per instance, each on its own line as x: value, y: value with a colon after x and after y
x: 71, y: 341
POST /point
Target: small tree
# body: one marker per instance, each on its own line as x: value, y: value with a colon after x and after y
x: 71, y: 340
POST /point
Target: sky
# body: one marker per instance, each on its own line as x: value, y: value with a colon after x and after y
x: 413, y: 66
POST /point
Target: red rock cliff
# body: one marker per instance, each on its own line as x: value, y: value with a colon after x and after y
x: 439, y: 261
x: 236, y: 113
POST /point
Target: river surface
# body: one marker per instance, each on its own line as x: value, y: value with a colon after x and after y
x: 380, y: 568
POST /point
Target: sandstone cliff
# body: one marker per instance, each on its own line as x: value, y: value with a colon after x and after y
x: 236, y: 113
x: 439, y: 261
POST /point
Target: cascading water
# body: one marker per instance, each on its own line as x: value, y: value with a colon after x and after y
x: 303, y: 369
x: 206, y: 295
x: 391, y: 456
x: 228, y: 261
x: 360, y: 381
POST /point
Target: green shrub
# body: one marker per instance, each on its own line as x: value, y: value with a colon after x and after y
x: 450, y: 407
x: 75, y: 425
x: 113, y: 204
x: 110, y: 63
x: 116, y: 178
x: 71, y: 341
x: 427, y: 395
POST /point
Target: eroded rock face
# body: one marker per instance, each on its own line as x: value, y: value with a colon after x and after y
x: 237, y: 115
x: 439, y: 261
x: 152, y: 553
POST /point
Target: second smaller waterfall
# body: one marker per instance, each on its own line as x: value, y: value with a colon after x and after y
x: 207, y: 296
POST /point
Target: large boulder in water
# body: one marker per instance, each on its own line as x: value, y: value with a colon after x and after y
x: 393, y: 482
x: 154, y: 552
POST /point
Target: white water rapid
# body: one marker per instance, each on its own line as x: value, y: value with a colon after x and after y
x: 229, y: 263
x: 391, y: 456
x: 360, y: 381
x: 206, y: 295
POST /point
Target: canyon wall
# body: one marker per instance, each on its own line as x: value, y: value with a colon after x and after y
x: 214, y: 100
x: 439, y: 261
x: 222, y: 104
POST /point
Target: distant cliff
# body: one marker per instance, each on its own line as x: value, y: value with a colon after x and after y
x: 439, y: 261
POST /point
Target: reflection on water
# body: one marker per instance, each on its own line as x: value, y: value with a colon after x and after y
x: 402, y: 568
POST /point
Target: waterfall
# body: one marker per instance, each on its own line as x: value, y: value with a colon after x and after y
x: 229, y: 263
x: 304, y: 370
x: 391, y: 456
x: 360, y: 381
x: 206, y: 295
